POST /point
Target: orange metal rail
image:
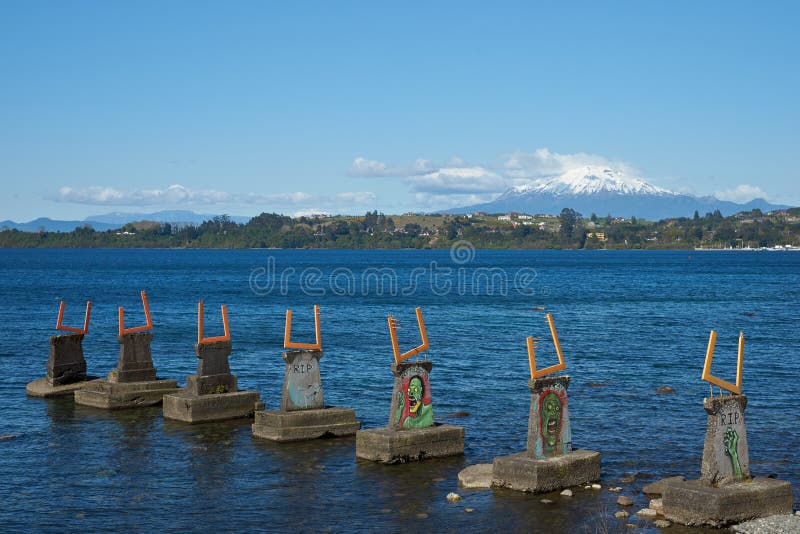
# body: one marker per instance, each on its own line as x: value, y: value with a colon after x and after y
x: 561, y: 365
x: 84, y: 330
x: 399, y: 357
x: 287, y: 333
x: 708, y: 377
x: 148, y: 321
x: 200, y: 320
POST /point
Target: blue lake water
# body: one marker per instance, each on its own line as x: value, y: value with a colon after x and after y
x: 629, y: 323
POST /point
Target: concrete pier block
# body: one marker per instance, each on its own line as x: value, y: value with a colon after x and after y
x: 279, y: 425
x: 117, y: 395
x: 524, y: 472
x: 135, y: 362
x: 41, y: 387
x: 183, y: 406
x: 66, y: 363
x: 695, y: 502
x: 390, y: 446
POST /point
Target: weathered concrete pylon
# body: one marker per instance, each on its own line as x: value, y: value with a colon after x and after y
x: 212, y: 394
x: 725, y: 493
x: 133, y: 382
x: 66, y: 366
x: 549, y: 463
x: 412, y: 434
x: 303, y: 414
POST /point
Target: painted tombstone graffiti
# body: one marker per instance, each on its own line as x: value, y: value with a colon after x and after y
x: 549, y: 432
x: 725, y: 454
x: 302, y: 385
x: 411, y: 404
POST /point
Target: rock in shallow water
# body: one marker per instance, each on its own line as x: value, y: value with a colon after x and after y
x: 623, y: 500
x: 647, y: 512
x: 453, y: 497
x: 567, y: 493
x: 622, y: 514
x: 476, y: 476
x: 657, y: 505
x: 661, y: 523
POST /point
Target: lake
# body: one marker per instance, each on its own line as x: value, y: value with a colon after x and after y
x: 629, y: 322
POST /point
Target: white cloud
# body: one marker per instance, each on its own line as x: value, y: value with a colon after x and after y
x: 174, y: 194
x: 181, y: 195
x: 741, y: 193
x: 458, y: 180
x: 428, y: 201
x: 356, y: 197
x: 371, y: 168
x: 310, y: 212
x: 541, y: 163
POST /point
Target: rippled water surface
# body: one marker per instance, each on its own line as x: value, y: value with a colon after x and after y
x: 629, y: 323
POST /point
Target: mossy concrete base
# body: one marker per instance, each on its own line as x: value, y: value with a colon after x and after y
x: 301, y: 425
x: 523, y: 472
x: 390, y: 446
x: 41, y: 387
x: 696, y: 502
x: 183, y: 406
x: 118, y: 395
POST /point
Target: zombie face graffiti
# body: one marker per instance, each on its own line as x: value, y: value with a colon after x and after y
x: 414, y: 409
x: 550, y: 421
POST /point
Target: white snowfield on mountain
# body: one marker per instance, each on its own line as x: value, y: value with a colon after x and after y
x: 591, y: 179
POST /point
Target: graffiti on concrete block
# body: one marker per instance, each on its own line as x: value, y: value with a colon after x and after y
x: 414, y: 406
x: 552, y: 434
x: 302, y: 383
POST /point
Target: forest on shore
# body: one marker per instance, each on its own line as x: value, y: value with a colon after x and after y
x: 373, y: 230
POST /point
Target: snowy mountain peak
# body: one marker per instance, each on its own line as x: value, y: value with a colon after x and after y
x: 590, y: 179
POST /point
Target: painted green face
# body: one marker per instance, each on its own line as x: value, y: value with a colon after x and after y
x: 550, y: 414
x: 414, y: 394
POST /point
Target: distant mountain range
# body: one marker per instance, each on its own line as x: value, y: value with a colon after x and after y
x: 111, y: 221
x: 600, y: 190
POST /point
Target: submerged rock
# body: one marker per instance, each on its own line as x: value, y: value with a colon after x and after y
x: 622, y: 514
x: 476, y: 476
x: 665, y: 389
x: 623, y: 500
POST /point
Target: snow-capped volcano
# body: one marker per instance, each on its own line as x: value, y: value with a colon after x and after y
x: 588, y: 180
x: 603, y: 190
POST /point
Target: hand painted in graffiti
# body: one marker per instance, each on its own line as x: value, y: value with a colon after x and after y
x: 412, y: 410
x: 731, y: 442
x: 550, y: 417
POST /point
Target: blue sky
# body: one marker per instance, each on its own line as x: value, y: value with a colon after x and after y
x: 244, y: 107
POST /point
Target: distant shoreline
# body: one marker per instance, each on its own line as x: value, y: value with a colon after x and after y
x: 570, y: 230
